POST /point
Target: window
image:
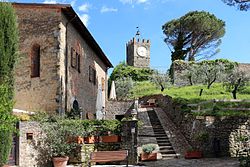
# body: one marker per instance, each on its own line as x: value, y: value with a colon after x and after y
x: 78, y: 62
x: 35, y: 61
x: 75, y: 60
x: 92, y: 75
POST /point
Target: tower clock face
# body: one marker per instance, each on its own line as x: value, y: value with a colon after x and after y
x: 142, y: 51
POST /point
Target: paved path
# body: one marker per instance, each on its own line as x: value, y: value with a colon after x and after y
x: 204, y: 162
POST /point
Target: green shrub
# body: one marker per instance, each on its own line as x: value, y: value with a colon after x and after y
x: 148, y: 148
x: 5, y: 145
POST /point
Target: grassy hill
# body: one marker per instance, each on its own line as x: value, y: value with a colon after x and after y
x: 190, y: 93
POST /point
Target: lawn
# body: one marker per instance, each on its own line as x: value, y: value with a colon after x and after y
x: 190, y: 93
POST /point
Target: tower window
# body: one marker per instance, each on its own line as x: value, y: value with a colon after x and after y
x: 35, y: 61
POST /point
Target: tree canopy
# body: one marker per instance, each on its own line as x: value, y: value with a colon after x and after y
x: 124, y: 71
x: 240, y: 4
x: 194, y: 36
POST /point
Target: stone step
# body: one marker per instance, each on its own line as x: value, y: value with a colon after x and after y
x: 167, y: 148
x: 167, y: 152
x: 164, y: 144
x: 162, y: 141
x: 158, y: 130
x: 162, y: 147
x: 169, y: 155
x: 160, y: 133
x: 163, y: 137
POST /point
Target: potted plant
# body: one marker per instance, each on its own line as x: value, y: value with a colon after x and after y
x: 199, y: 140
x: 90, y: 131
x: 55, y: 138
x: 111, y: 130
x: 148, y: 153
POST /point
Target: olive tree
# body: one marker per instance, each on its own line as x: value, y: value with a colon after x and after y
x: 194, y: 36
x: 235, y: 81
x: 123, y: 88
x: 160, y: 79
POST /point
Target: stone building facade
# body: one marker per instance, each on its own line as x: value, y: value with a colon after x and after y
x: 60, y: 62
x: 138, y: 53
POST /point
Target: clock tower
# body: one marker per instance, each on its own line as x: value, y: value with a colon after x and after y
x: 138, y: 52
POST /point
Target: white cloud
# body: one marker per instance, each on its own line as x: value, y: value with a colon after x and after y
x: 126, y: 1
x: 134, y: 1
x: 85, y: 19
x: 142, y: 1
x: 107, y: 9
x: 50, y: 1
x: 72, y: 3
x: 84, y: 7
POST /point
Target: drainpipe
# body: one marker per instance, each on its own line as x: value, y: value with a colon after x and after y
x: 66, y: 67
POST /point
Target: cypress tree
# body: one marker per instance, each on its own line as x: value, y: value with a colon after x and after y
x: 8, y: 55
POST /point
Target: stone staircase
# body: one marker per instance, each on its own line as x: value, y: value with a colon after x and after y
x: 165, y: 147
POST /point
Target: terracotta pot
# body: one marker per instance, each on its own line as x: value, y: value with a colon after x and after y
x: 60, y: 161
x: 91, y: 139
x: 193, y: 154
x: 80, y: 140
x: 111, y: 139
x: 148, y: 157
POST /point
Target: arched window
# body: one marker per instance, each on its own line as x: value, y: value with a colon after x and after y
x: 35, y: 61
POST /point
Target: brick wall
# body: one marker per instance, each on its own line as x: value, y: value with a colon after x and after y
x: 37, y: 26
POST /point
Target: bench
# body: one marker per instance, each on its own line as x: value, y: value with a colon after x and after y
x: 109, y: 156
x: 151, y: 102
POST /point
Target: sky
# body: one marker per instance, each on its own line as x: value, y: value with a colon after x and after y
x: 113, y: 23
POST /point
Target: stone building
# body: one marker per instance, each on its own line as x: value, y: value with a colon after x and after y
x: 61, y: 65
x: 138, y: 52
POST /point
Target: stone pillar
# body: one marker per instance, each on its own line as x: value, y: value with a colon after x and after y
x: 130, y: 134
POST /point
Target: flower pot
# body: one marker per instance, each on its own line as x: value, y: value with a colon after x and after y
x: 193, y: 154
x: 110, y: 139
x: 79, y: 140
x: 148, y: 157
x: 60, y: 161
x: 91, y: 139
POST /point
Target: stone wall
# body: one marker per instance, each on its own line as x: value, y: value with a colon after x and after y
x: 37, y: 26
x: 114, y: 108
x: 31, y: 152
x: 223, y: 133
x: 245, y: 67
x: 27, y: 154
